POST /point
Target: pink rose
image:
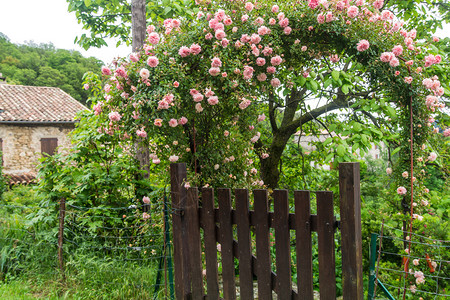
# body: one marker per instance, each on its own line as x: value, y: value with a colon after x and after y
x: 146, y: 200
x: 173, y: 158
x: 173, y: 122
x: 158, y: 122
x: 261, y: 118
x: 271, y: 70
x: 259, y: 21
x: 184, y: 51
x: 287, y: 30
x: 432, y: 156
x: 214, y: 71
x: 144, y: 73
x: 248, y: 72
x: 106, y: 71
x: 198, y: 107
x: 195, y: 49
x: 363, y: 45
x: 260, y: 61
x: 249, y: 6
x: 276, y: 60
x: 141, y: 133
x: 216, y: 62
x: 352, y: 11
x: 275, y: 82
x: 275, y: 9
x: 153, y: 38
x: 176, y: 84
x: 320, y: 18
x: 261, y: 77
x: 284, y: 22
x: 394, y: 62
x: 263, y: 30
x: 134, y: 57
x: 255, y: 38
x: 401, y: 190
x: 397, y: 50
x: 198, y: 97
x: 114, y: 116
x: 224, y: 42
x: 228, y: 21
x: 152, y: 61
x: 220, y: 34
x: 182, y: 121
x: 213, y: 100
x: 378, y: 4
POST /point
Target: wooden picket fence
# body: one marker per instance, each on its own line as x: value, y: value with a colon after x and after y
x: 218, y: 226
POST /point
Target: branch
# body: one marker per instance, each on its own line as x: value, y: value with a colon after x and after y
x: 273, y: 122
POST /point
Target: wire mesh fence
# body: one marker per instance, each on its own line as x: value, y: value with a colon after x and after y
x: 408, y: 268
x: 123, y: 252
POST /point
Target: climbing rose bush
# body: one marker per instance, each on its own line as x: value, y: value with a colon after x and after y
x: 193, y: 91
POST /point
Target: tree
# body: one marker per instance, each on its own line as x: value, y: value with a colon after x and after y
x: 332, y: 60
x: 33, y: 64
x: 113, y: 19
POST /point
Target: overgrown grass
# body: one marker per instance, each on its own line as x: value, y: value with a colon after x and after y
x: 29, y: 262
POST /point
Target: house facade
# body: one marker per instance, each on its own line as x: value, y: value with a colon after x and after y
x: 34, y: 121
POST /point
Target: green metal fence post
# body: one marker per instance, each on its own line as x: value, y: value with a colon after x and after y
x: 168, y: 245
x: 372, y: 260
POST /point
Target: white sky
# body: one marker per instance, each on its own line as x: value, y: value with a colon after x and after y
x: 48, y: 21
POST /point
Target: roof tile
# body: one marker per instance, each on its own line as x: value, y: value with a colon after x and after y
x: 20, y: 103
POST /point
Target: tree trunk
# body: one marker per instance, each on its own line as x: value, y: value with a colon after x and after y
x: 138, y: 23
x: 270, y: 172
x: 138, y: 26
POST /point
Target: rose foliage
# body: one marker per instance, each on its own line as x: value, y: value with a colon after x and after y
x: 195, y: 91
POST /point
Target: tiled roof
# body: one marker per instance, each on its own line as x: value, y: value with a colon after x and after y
x: 25, y: 178
x: 20, y: 103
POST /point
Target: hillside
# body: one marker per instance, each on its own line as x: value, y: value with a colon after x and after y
x: 44, y: 65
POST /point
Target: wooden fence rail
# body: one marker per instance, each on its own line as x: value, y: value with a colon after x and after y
x: 222, y: 225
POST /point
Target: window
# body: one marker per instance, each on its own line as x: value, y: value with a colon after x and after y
x: 48, y: 146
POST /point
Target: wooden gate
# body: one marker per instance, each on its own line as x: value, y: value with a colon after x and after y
x: 245, y: 235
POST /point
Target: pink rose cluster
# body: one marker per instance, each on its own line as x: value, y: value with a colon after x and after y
x: 362, y: 45
x: 171, y: 24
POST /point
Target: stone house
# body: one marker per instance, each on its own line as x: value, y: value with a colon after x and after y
x: 34, y: 121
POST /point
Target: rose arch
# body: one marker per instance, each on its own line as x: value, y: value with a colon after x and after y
x: 202, y: 90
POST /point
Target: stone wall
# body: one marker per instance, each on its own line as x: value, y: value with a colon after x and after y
x: 22, y: 145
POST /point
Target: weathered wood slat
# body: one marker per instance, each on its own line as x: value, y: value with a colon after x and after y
x: 313, y: 219
x: 209, y: 230
x: 304, y: 245
x: 178, y: 195
x: 351, y: 240
x: 244, y: 244
x: 263, y: 270
x: 193, y: 237
x: 327, y: 272
x: 282, y: 244
x: 226, y: 234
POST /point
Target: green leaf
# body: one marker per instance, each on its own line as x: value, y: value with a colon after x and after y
x: 314, y: 85
x: 302, y: 81
x: 340, y: 150
x: 87, y: 2
x: 357, y: 127
x: 327, y: 83
x: 396, y: 150
x: 345, y: 89
x: 335, y: 74
x: 390, y: 111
